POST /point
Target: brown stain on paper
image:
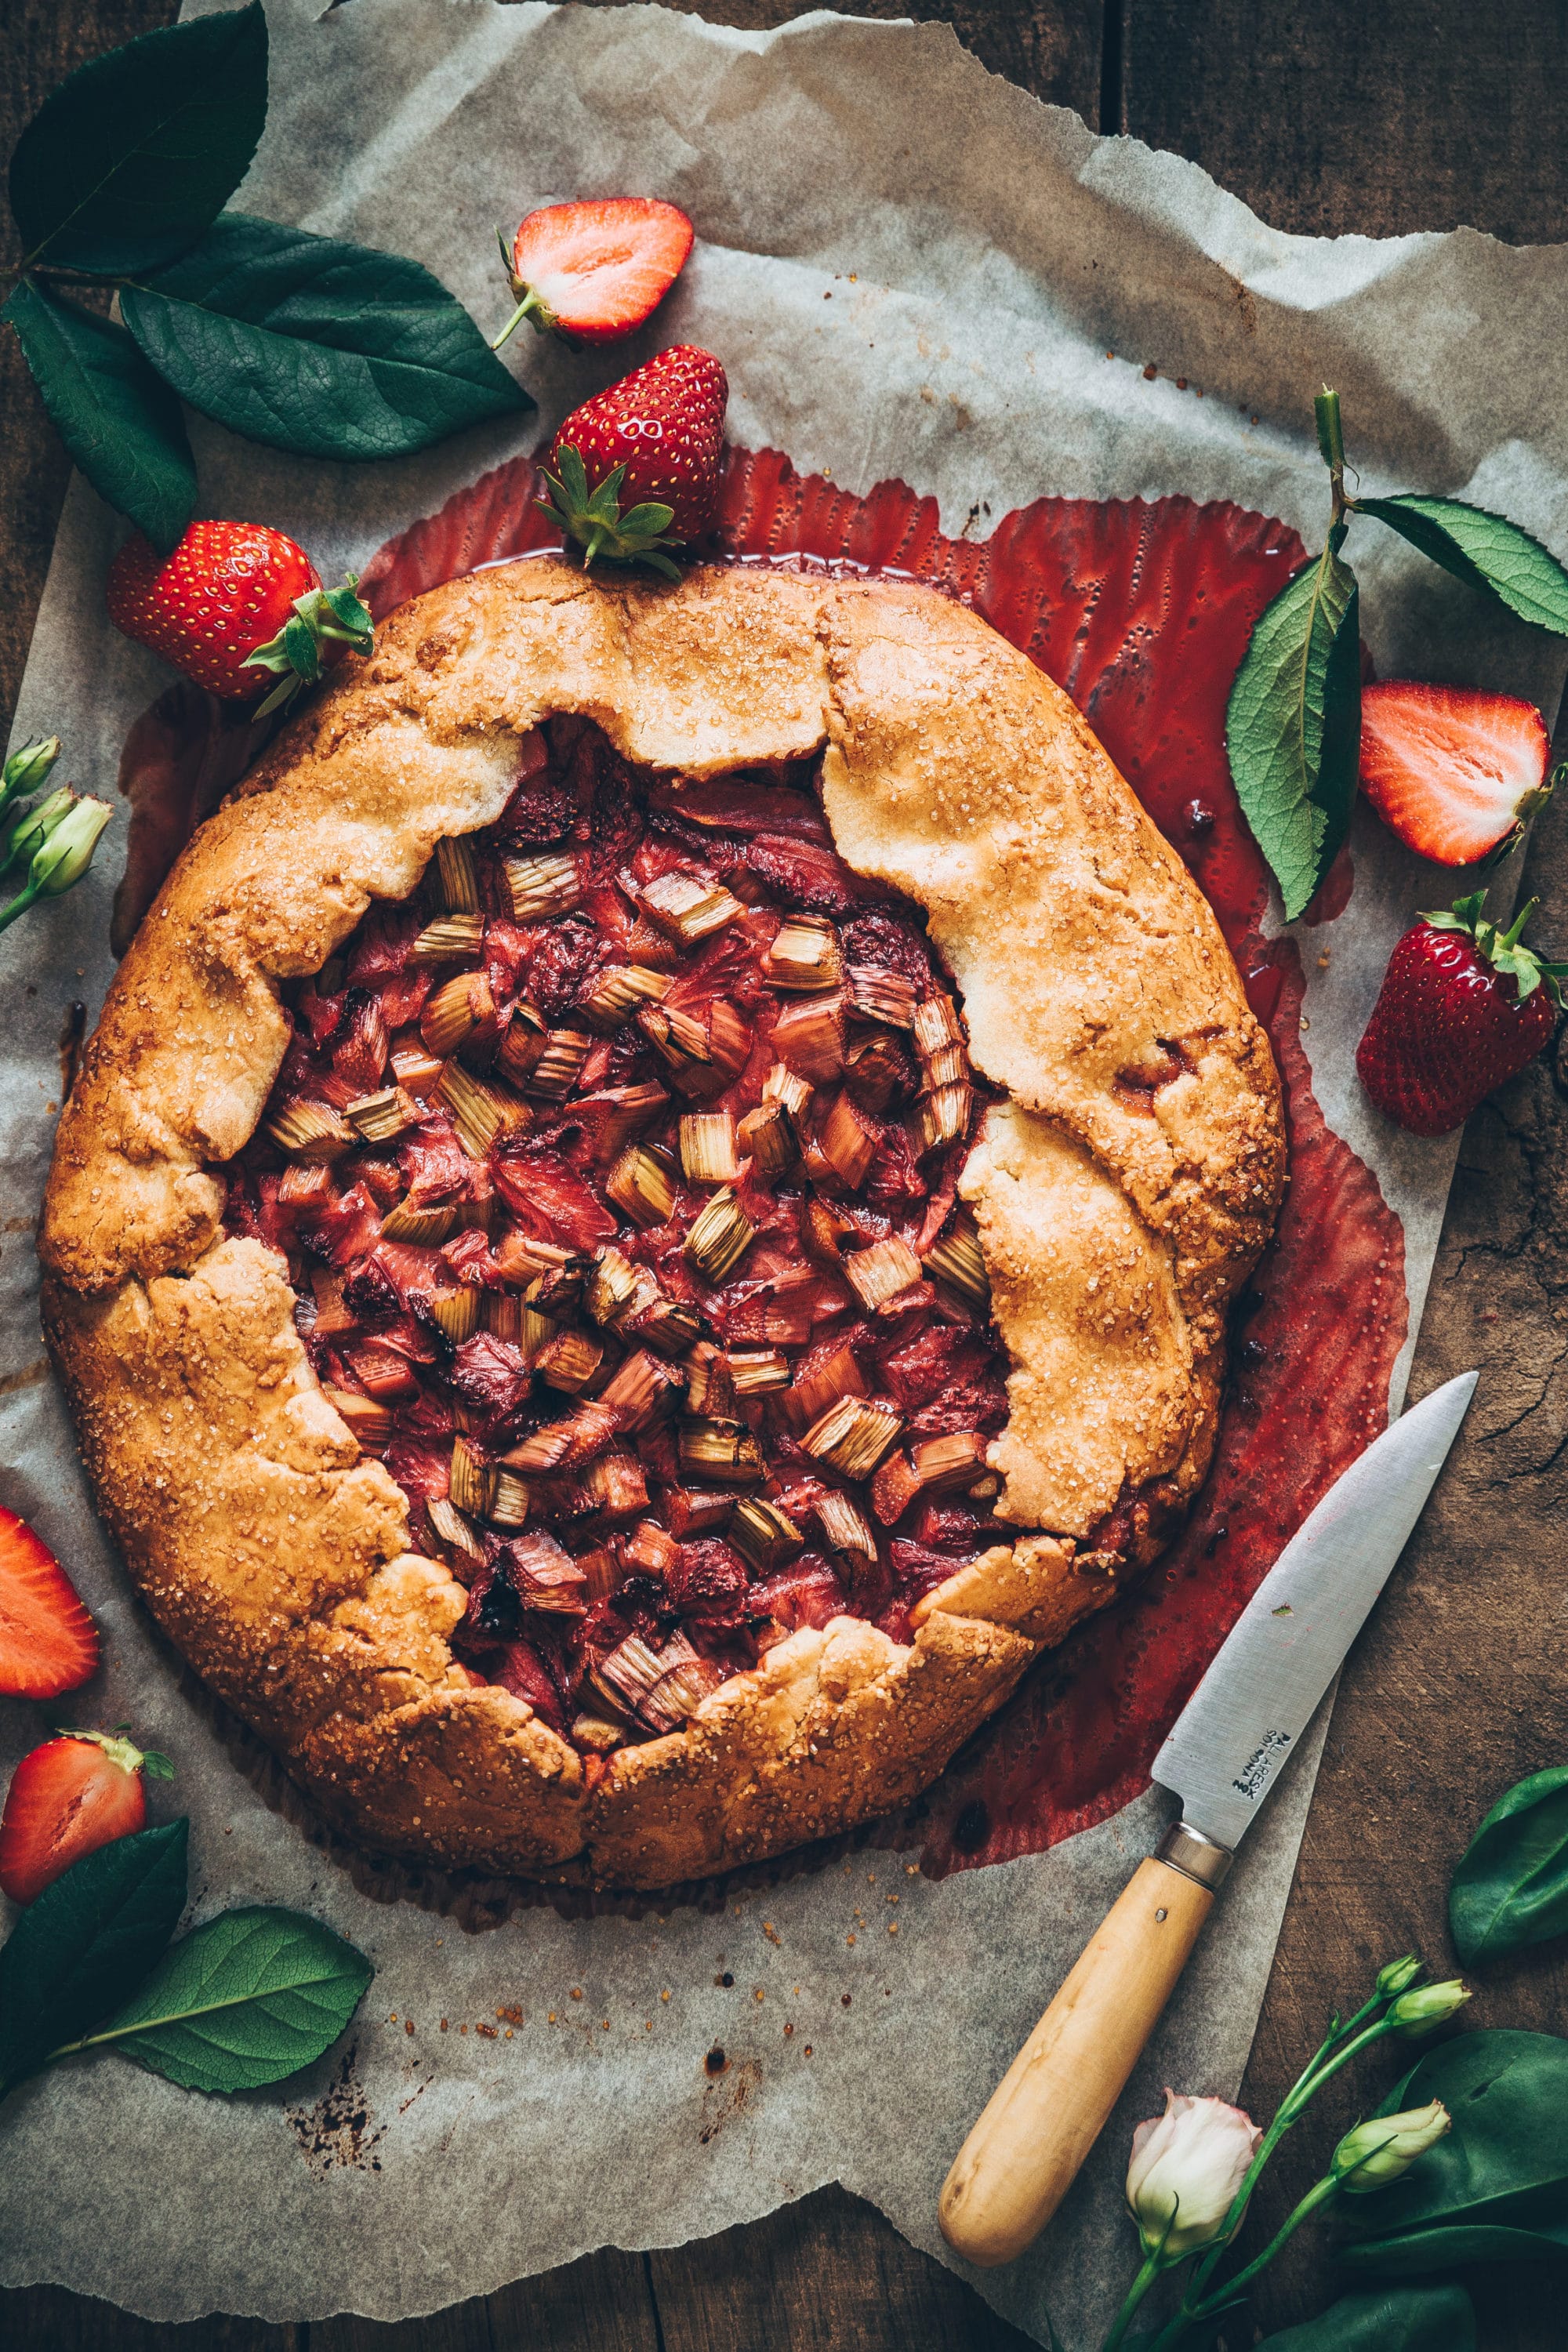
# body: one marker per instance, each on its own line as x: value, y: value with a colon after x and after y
x: 731, y: 2089
x: 336, y: 2133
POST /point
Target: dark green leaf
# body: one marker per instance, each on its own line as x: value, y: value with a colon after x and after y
x: 1386, y: 2319
x: 1496, y: 2188
x: 86, y: 1942
x: 119, y: 423
x: 126, y: 163
x: 1511, y: 1888
x: 1293, y: 727
x: 248, y: 1998
x: 1484, y: 550
x: 308, y: 345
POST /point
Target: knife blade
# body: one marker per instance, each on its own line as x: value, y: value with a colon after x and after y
x: 1223, y: 1754
x: 1226, y: 1748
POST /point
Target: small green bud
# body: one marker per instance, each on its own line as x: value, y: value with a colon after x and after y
x: 1425, y: 2006
x: 1397, y: 1976
x: 30, y: 832
x: 66, y: 854
x: 25, y: 770
x: 1380, y: 2150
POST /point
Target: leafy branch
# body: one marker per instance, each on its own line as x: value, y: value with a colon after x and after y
x: 310, y: 344
x: 1293, y: 724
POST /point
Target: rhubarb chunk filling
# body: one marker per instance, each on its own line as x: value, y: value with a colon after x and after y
x: 616, y: 1171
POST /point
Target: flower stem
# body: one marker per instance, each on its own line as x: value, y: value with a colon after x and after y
x: 1319, y: 2194
x: 20, y: 905
x: 1135, y: 2295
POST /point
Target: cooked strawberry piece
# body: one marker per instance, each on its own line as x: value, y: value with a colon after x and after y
x: 710, y: 1582
x: 740, y: 805
x: 319, y: 1017
x: 359, y: 1048
x: 921, y: 1371
x: 522, y: 1671
x: 542, y: 808
x: 494, y: 1614
x: 894, y: 1179
x: 345, y: 1231
x: 435, y: 1166
x: 420, y: 1465
x: 917, y: 1570
x: 48, y: 1644
x: 807, y: 1592
x: 381, y: 946
x: 564, y: 966
x: 67, y: 1799
x: 550, y: 1197
x: 801, y: 871
x: 888, y: 941
x: 1455, y: 773
x: 490, y: 1373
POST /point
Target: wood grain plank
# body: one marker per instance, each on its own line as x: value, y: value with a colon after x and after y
x: 39, y: 45
x: 819, y: 2276
x: 52, y: 2319
x: 1051, y: 47
x: 602, y: 2304
x: 1416, y: 114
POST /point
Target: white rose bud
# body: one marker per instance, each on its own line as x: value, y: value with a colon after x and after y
x: 1381, y: 2149
x: 1186, y: 2167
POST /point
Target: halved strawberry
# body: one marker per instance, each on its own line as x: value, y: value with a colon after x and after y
x: 1455, y: 772
x: 68, y: 1798
x: 48, y: 1644
x: 594, y: 271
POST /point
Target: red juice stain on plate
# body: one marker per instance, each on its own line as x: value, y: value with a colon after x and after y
x: 1142, y: 612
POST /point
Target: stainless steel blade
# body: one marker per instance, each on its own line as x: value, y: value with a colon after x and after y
x: 1229, y: 1741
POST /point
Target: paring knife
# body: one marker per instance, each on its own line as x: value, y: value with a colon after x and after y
x: 1224, y: 1753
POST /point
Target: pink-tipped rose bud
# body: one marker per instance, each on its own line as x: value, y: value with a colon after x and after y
x: 1186, y: 2167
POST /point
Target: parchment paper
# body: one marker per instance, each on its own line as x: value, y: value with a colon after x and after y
x: 909, y: 266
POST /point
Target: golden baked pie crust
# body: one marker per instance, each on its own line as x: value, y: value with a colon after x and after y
x: 1117, y: 1224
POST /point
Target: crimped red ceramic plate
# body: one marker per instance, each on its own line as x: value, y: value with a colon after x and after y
x: 1142, y: 612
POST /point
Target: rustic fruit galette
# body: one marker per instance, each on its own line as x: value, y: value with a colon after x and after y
x: 651, y: 1214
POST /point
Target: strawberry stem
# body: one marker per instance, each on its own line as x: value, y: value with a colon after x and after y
x: 1511, y: 938
x: 532, y: 306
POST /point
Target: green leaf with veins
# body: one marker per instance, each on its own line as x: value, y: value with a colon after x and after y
x: 1486, y: 551
x: 1496, y: 2190
x: 1293, y: 724
x: 1511, y: 1887
x: 1386, y: 2319
x: 119, y: 423
x: 316, y: 346
x: 85, y: 1941
x: 248, y: 1998
x: 125, y: 165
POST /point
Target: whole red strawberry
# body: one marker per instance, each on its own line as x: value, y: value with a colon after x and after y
x: 1463, y: 1006
x: 234, y: 602
x: 636, y: 469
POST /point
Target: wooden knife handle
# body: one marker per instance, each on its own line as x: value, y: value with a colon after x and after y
x: 1051, y: 2107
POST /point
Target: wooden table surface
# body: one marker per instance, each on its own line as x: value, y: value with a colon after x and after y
x: 1410, y: 114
